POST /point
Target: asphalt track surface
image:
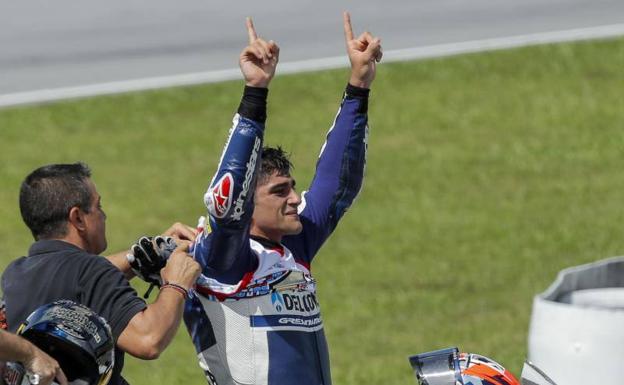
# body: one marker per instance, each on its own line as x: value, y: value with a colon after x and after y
x: 47, y: 45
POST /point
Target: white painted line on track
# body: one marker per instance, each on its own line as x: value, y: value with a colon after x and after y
x: 600, y: 32
x: 50, y: 95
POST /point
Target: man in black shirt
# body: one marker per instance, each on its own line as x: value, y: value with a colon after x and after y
x: 62, y: 208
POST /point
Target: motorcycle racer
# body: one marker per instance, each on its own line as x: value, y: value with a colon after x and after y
x: 255, y: 317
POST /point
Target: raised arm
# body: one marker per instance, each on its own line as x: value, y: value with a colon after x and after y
x: 224, y: 254
x: 340, y: 168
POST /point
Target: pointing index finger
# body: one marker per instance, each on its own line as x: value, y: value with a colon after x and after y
x: 348, y: 31
x: 251, y: 31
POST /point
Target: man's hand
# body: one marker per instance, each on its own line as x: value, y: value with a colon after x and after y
x: 45, y: 366
x: 181, y: 269
x: 180, y: 231
x: 364, y: 54
x: 259, y: 59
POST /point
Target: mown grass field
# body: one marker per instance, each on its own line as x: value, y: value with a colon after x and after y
x: 487, y: 174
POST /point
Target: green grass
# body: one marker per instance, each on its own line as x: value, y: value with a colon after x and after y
x: 487, y: 174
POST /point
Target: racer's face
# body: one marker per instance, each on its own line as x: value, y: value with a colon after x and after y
x: 95, y: 223
x: 275, y: 213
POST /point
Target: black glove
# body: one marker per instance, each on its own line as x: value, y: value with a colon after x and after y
x: 149, y: 255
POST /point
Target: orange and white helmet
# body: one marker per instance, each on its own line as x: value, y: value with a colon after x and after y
x: 449, y: 367
x: 479, y: 370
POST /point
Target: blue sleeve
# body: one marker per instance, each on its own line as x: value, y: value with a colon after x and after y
x: 225, y: 254
x: 338, y: 177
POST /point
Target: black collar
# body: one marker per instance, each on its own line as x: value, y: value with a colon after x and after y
x: 45, y: 246
x: 269, y: 244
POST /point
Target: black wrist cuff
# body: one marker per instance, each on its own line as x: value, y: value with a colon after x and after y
x: 357, y: 92
x: 353, y: 92
x: 253, y: 104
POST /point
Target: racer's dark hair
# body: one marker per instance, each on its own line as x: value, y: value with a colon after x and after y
x: 274, y: 159
x: 48, y: 193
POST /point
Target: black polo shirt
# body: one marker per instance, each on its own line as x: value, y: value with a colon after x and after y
x: 56, y: 270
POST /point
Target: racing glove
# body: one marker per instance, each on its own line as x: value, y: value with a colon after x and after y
x: 148, y: 256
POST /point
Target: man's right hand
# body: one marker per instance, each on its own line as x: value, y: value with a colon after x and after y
x: 181, y: 269
x: 364, y: 54
x: 45, y: 366
x: 259, y: 59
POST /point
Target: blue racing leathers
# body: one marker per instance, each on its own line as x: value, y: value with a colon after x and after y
x: 255, y: 316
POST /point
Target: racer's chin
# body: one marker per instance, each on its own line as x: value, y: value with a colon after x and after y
x: 294, y: 226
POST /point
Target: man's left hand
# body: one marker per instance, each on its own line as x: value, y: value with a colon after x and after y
x: 180, y: 231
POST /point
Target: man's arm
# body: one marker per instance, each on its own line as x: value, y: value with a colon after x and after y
x: 17, y: 349
x: 340, y: 168
x: 149, y: 332
x: 120, y: 261
x: 224, y: 254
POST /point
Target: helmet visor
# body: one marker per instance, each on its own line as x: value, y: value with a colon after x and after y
x: 440, y: 367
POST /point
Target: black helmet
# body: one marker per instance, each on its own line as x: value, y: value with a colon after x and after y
x: 76, y: 337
